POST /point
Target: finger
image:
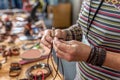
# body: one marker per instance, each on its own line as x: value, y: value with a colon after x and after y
x: 68, y: 58
x: 63, y: 55
x: 62, y: 46
x: 58, y: 33
x: 48, y: 39
x: 59, y: 53
x: 66, y: 42
x: 47, y: 32
x: 45, y: 42
x: 60, y: 56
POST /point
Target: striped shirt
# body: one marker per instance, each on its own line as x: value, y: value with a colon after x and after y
x: 104, y: 32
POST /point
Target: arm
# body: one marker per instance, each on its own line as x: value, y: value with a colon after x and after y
x: 77, y: 51
x: 112, y: 60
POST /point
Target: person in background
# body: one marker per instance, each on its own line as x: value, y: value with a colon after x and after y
x: 8, y: 24
x: 93, y: 42
x: 17, y: 4
x: 4, y: 4
x: 28, y: 28
x: 26, y: 6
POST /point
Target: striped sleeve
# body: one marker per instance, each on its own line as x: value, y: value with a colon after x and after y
x: 104, y: 32
x: 74, y: 33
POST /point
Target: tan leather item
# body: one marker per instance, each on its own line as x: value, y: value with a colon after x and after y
x: 31, y: 54
x: 6, y: 53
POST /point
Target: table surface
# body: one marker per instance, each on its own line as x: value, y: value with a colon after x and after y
x: 4, y: 72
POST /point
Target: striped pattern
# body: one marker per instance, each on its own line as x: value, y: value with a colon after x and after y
x: 74, y: 32
x: 104, y: 32
x: 105, y: 29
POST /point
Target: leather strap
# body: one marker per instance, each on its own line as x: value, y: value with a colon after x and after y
x: 90, y: 22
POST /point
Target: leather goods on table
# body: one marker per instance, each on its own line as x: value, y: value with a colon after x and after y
x: 31, y: 54
x: 39, y: 71
x: 15, y: 69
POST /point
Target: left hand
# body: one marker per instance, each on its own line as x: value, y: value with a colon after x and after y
x: 71, y: 50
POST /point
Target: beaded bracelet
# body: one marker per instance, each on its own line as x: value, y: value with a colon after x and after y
x: 97, y: 56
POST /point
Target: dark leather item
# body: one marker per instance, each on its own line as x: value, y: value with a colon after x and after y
x: 41, y: 66
x: 15, y: 69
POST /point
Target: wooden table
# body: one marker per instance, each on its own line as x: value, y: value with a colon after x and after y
x: 4, y: 72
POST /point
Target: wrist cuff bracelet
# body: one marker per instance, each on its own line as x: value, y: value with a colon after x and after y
x: 97, y: 56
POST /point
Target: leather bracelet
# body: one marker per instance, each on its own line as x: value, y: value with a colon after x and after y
x: 3, y: 61
x: 15, y: 69
x: 6, y: 53
x: 2, y: 48
x: 15, y: 51
x: 97, y: 56
x: 91, y: 55
x: 102, y: 56
x: 30, y: 76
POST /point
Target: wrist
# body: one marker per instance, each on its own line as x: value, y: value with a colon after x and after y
x: 97, y: 56
x: 87, y: 53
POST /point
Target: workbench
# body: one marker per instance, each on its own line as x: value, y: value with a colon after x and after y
x: 4, y: 71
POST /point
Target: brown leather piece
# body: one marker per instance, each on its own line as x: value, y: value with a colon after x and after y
x: 15, y: 51
x: 15, y: 69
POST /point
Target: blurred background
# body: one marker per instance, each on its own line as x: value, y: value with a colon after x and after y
x: 65, y: 12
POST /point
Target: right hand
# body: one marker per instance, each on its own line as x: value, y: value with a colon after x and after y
x: 47, y: 38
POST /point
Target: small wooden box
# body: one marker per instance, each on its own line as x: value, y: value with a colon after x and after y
x: 62, y: 14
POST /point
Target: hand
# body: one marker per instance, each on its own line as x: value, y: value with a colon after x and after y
x: 71, y: 50
x: 47, y: 38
